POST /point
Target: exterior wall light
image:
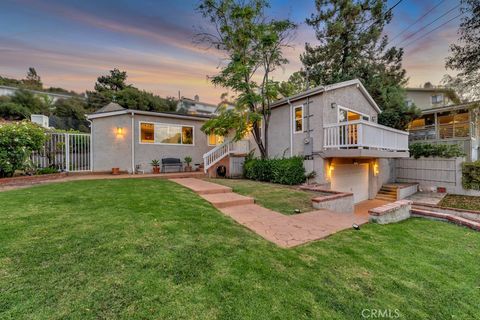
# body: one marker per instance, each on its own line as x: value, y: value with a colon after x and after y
x: 120, y: 131
x: 376, y: 170
x: 330, y: 171
x: 333, y: 105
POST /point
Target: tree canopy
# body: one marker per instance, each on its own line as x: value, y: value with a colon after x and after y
x: 252, y: 44
x: 350, y: 45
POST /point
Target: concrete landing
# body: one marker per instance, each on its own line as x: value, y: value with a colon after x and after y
x: 201, y: 186
x: 227, y: 199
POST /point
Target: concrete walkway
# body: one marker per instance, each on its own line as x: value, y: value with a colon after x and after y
x: 285, y: 231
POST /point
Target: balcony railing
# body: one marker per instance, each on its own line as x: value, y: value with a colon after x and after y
x: 445, y: 131
x: 364, y: 135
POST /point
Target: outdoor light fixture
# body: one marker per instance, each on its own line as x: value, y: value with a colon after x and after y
x: 333, y: 105
x: 375, y: 169
x: 330, y: 170
x: 119, y: 131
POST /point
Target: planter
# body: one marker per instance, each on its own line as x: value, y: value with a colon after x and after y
x: 115, y: 170
x: 156, y: 170
x: 188, y: 168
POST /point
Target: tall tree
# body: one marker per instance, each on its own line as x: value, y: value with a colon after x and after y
x: 33, y: 80
x: 350, y: 45
x: 252, y: 44
x: 115, y: 81
x: 465, y: 55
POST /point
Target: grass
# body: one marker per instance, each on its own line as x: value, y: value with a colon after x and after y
x: 280, y: 198
x: 150, y: 249
x: 461, y: 202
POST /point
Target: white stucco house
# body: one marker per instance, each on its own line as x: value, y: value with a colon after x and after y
x: 333, y: 127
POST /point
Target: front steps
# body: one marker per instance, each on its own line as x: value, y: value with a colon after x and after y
x: 387, y: 193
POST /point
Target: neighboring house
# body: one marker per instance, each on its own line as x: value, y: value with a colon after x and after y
x: 444, y: 121
x: 195, y: 107
x: 127, y: 138
x: 333, y: 127
x: 10, y: 91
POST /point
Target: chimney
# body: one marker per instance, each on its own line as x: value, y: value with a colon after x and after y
x: 196, y: 98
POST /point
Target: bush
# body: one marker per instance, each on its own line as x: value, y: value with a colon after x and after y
x: 47, y: 170
x: 471, y: 175
x: 284, y: 171
x: 17, y: 141
x: 418, y: 150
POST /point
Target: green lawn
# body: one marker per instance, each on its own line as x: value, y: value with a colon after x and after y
x: 280, y: 198
x: 461, y: 202
x: 150, y: 249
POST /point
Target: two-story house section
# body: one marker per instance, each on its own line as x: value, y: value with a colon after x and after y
x: 444, y: 121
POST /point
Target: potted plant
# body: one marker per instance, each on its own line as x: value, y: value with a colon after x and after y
x: 156, y: 165
x: 188, y: 160
x: 115, y: 171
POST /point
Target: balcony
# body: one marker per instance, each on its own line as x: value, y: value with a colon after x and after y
x: 364, y: 139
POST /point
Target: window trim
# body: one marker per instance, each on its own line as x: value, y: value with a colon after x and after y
x: 351, y: 110
x: 294, y: 126
x: 162, y: 143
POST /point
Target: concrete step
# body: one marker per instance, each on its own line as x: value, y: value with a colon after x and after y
x: 224, y: 200
x: 202, y: 187
x: 393, y: 193
x: 385, y: 197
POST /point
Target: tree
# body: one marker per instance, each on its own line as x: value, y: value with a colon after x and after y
x: 252, y: 44
x: 351, y: 46
x: 465, y: 55
x: 17, y: 142
x: 296, y: 83
x: 33, y: 80
x: 70, y: 114
x: 35, y: 104
x: 115, y: 81
x: 462, y: 89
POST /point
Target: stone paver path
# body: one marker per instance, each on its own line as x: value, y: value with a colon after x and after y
x: 285, y: 231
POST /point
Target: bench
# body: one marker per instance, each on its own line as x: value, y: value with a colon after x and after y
x: 171, y: 163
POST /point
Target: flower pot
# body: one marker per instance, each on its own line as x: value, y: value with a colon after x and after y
x: 156, y: 170
x: 188, y: 168
x: 115, y: 170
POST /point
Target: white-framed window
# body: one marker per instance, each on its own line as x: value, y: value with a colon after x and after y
x: 348, y: 115
x: 215, y: 140
x: 409, y: 102
x: 166, y: 133
x: 437, y: 98
x: 298, y: 119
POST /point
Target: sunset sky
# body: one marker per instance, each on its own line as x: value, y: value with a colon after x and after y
x: 71, y: 43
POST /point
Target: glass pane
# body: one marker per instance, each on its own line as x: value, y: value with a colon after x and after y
x: 342, y: 115
x: 461, y: 117
x: 298, y: 125
x: 298, y: 119
x: 445, y: 118
x: 352, y: 116
x: 147, y: 132
x: 168, y: 134
x: 212, y: 139
x: 187, y: 135
x: 462, y: 130
x: 417, y: 123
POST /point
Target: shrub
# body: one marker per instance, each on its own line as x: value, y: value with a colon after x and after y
x: 17, y: 141
x: 284, y: 171
x: 47, y: 170
x: 418, y: 150
x: 471, y: 175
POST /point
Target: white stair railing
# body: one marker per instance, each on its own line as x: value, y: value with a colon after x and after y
x: 217, y: 154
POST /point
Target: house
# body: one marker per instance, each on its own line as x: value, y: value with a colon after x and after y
x: 131, y: 139
x: 333, y: 127
x: 196, y: 107
x: 10, y: 91
x: 445, y: 121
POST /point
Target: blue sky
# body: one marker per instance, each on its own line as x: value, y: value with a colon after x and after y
x: 71, y: 43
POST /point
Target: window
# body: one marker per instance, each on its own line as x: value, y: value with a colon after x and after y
x: 161, y: 133
x: 298, y: 125
x: 214, y: 140
x: 409, y: 102
x: 454, y: 125
x: 437, y: 98
x: 345, y: 115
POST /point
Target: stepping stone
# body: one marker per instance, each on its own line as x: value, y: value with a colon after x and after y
x: 224, y: 200
x: 201, y: 186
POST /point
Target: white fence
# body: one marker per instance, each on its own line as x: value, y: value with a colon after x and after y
x: 364, y: 134
x: 69, y: 152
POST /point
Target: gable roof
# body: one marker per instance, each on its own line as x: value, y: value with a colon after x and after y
x: 331, y: 87
x: 112, y: 106
x: 124, y: 111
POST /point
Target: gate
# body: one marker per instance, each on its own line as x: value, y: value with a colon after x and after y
x: 70, y: 152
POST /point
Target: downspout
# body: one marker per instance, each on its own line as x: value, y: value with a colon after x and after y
x: 291, y: 126
x: 91, y: 144
x: 133, y: 143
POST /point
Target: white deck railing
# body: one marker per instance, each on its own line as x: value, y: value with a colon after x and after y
x: 223, y: 150
x: 364, y: 134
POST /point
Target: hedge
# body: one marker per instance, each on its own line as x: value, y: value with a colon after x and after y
x: 471, y: 175
x: 284, y: 171
x: 418, y: 150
